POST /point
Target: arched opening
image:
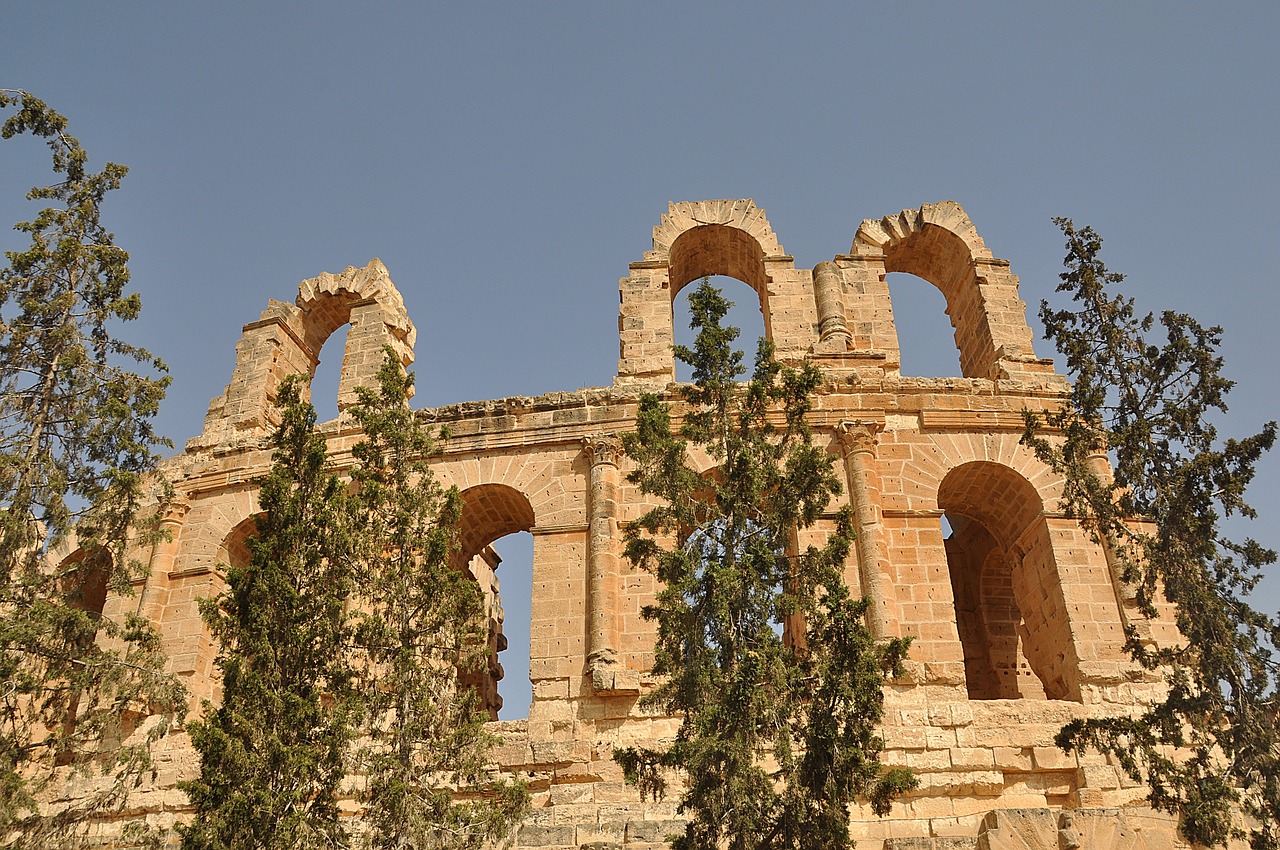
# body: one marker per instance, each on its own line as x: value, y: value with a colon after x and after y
x: 492, y: 512
x: 234, y: 551
x: 987, y: 614
x: 941, y: 257
x: 1010, y: 611
x: 510, y: 641
x: 326, y: 322
x: 926, y: 340
x: 732, y: 259
x: 86, y: 577
x: 328, y: 374
x: 746, y: 315
x: 695, y: 240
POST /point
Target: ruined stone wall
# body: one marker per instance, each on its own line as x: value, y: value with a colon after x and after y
x: 1017, y: 618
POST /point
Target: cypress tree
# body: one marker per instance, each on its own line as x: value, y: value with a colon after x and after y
x: 76, y: 452
x: 777, y: 734
x: 274, y: 753
x: 1210, y: 749
x: 421, y: 627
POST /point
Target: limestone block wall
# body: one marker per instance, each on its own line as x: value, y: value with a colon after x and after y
x: 1017, y: 616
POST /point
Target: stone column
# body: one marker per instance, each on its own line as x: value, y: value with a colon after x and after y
x: 828, y: 292
x: 603, y: 452
x: 164, y: 554
x: 858, y: 445
x: 1126, y: 594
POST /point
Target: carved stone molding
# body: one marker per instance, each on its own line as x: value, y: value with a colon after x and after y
x: 602, y: 448
x: 858, y: 435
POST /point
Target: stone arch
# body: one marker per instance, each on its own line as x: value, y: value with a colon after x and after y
x: 287, y: 339
x: 544, y: 493
x: 717, y: 249
x: 489, y: 512
x: 548, y: 482
x: 1011, y: 612
x: 210, y: 523
x: 693, y: 240
x: 742, y: 215
x: 234, y: 549
x: 85, y: 574
x: 329, y: 301
x: 939, y: 244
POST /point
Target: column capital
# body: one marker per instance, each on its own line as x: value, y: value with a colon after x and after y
x: 602, y: 449
x: 175, y: 509
x: 858, y: 435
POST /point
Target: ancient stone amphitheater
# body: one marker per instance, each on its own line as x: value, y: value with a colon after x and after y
x: 1017, y: 615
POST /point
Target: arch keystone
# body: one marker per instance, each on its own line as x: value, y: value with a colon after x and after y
x: 742, y: 214
x: 882, y: 234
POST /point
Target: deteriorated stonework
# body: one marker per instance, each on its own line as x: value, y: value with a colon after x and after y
x: 1017, y: 615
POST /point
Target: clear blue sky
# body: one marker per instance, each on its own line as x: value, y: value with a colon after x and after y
x: 507, y: 161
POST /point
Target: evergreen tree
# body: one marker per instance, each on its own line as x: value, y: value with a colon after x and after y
x: 1211, y: 747
x: 421, y: 626
x: 76, y: 445
x: 273, y: 754
x: 777, y: 736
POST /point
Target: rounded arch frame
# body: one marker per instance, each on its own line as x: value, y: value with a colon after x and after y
x: 939, y: 243
x: 694, y: 239
x: 1008, y: 508
x: 1079, y: 614
x: 287, y: 339
x: 506, y: 491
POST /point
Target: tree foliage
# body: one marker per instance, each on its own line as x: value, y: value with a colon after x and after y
x: 274, y: 753
x: 76, y: 446
x: 778, y: 730
x: 341, y: 646
x: 1148, y: 391
x: 420, y: 628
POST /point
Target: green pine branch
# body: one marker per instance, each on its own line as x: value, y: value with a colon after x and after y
x: 778, y: 728
x: 1148, y: 392
x: 77, y: 454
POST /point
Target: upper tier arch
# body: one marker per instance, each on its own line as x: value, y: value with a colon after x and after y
x: 939, y: 243
x: 287, y: 339
x: 694, y: 239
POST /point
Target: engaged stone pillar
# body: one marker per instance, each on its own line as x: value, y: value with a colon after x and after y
x: 1126, y: 594
x: 163, y: 555
x: 828, y: 292
x: 858, y: 442
x: 603, y: 452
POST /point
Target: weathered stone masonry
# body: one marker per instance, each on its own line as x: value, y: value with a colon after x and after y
x: 1017, y: 615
